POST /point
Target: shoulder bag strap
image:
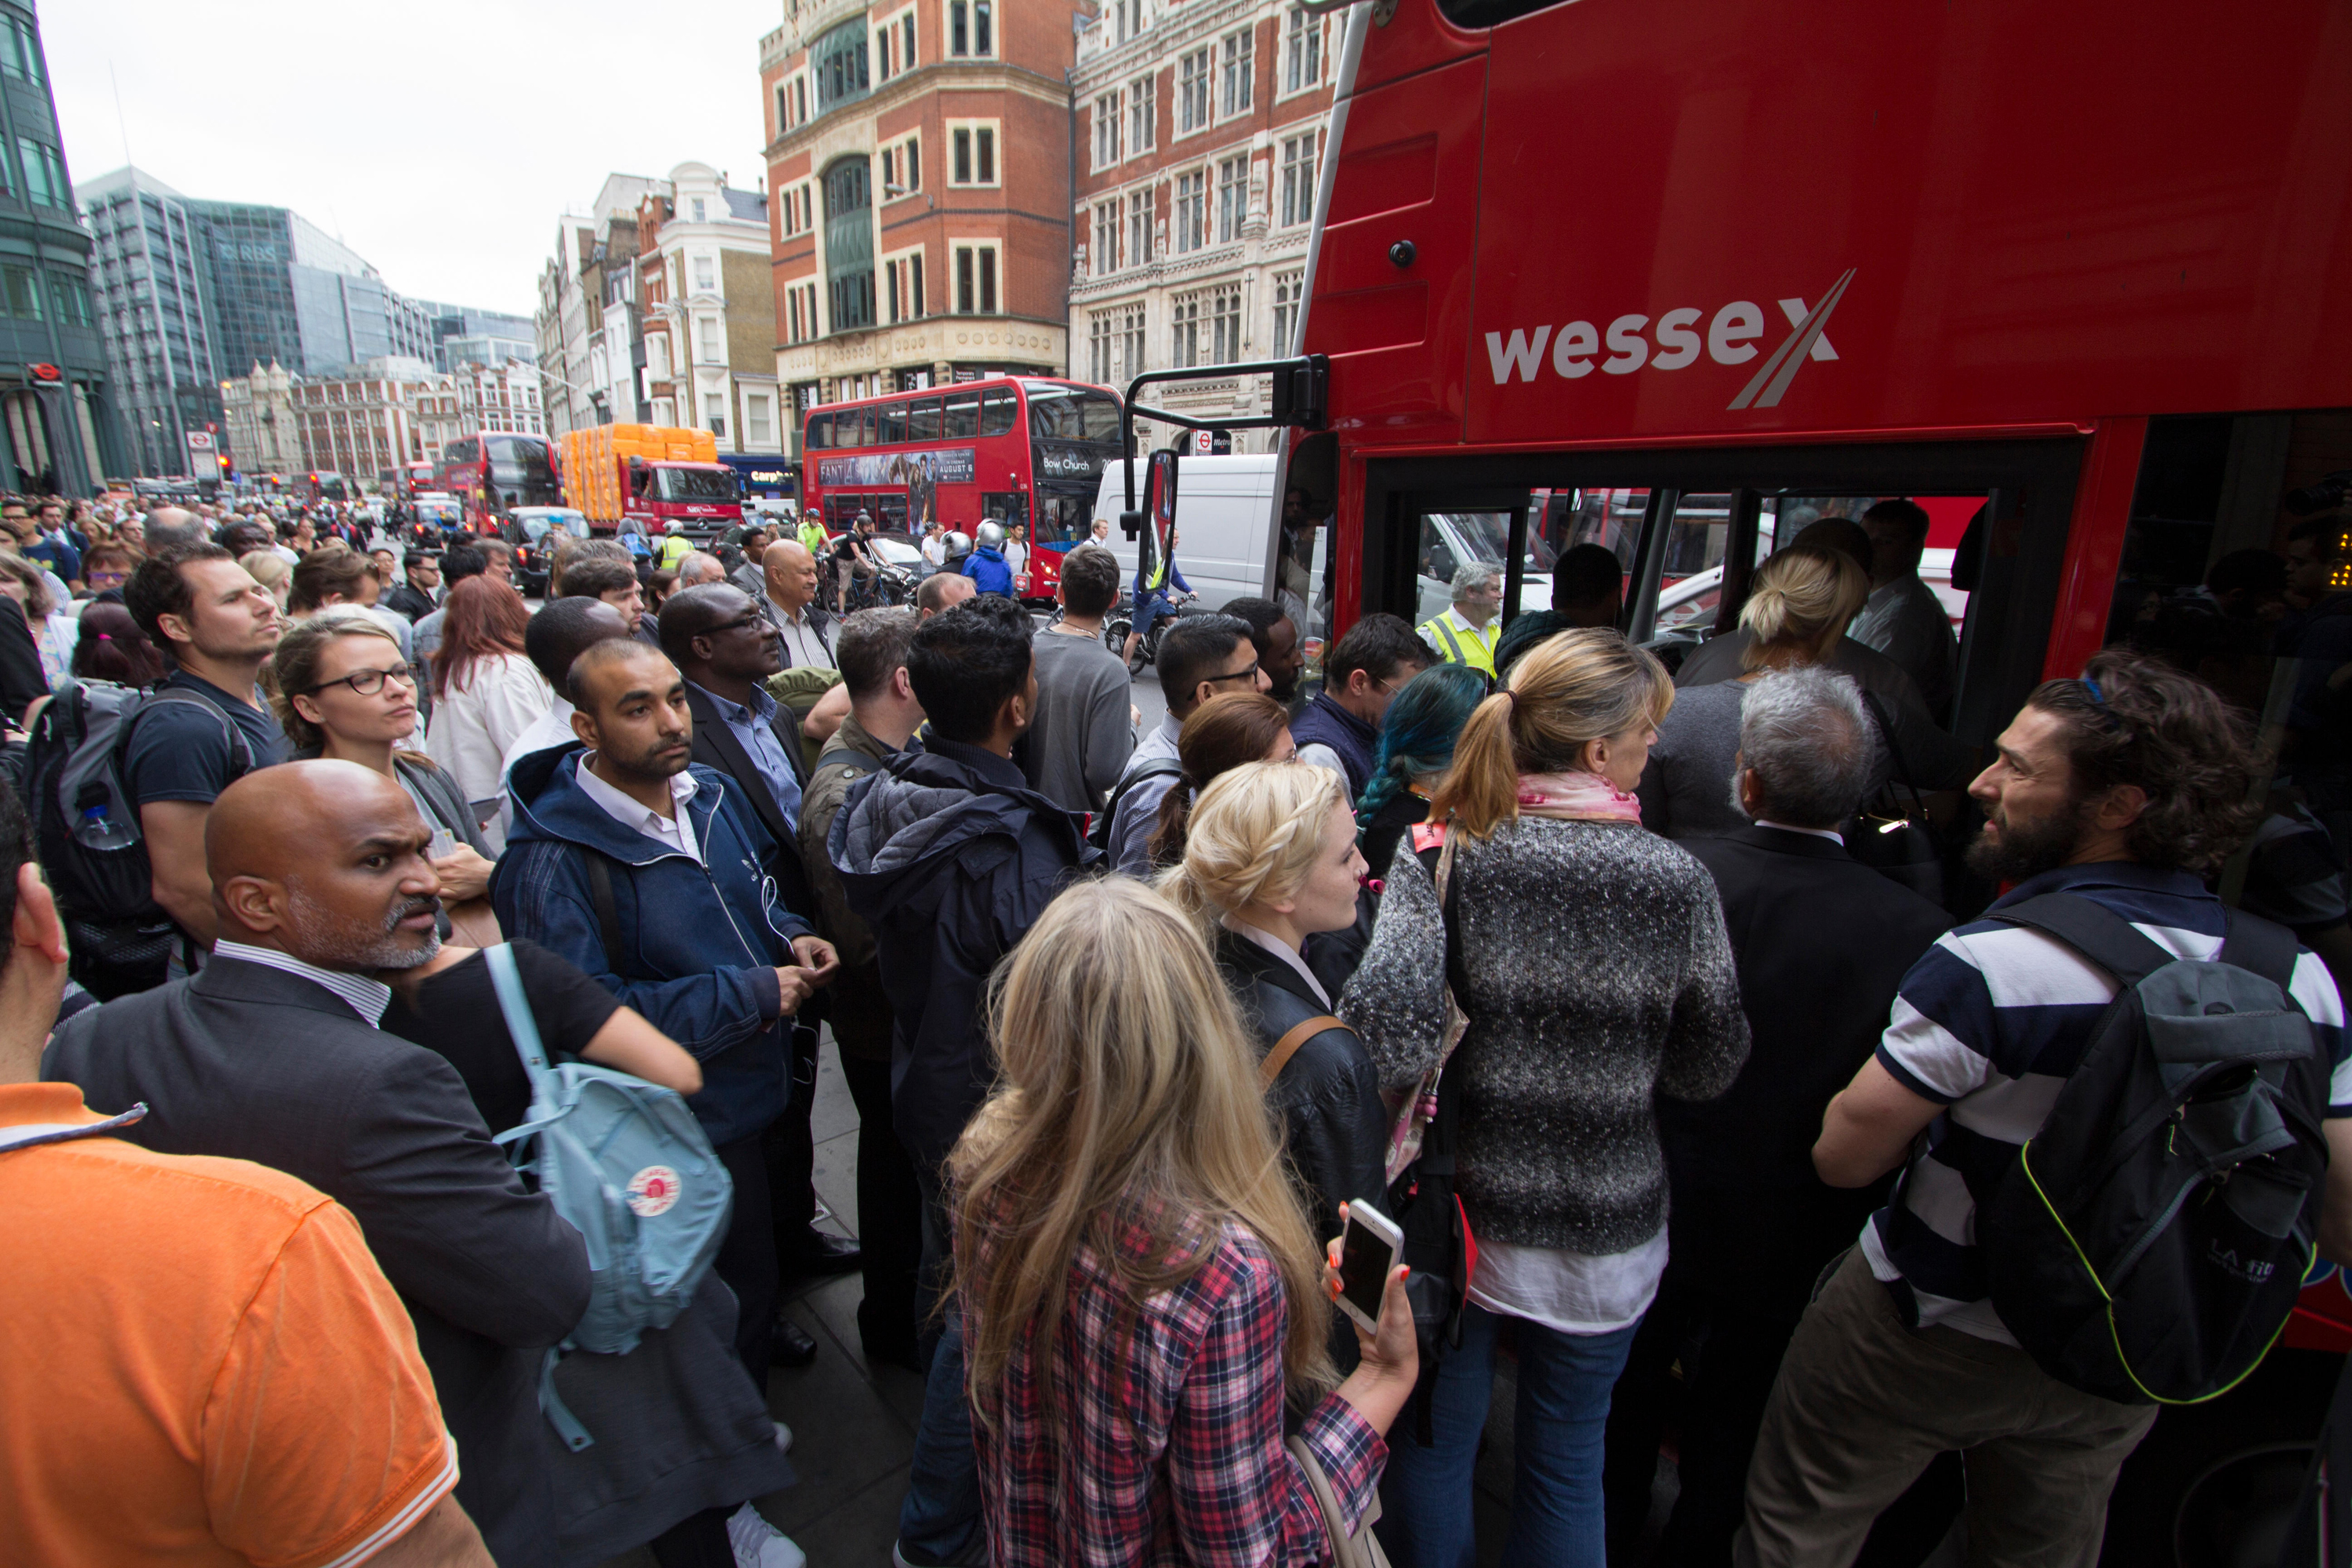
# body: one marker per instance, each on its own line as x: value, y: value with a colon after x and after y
x: 39, y: 1132
x: 520, y: 1026
x: 608, y: 915
x: 2261, y: 947
x: 1894, y: 747
x: 1287, y: 1047
x: 240, y: 754
x: 2099, y: 934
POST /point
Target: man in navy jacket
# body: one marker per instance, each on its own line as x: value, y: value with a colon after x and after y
x: 655, y: 876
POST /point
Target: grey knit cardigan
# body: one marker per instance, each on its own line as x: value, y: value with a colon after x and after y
x: 1591, y: 961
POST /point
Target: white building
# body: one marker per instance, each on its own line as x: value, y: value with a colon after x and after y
x: 708, y: 310
x: 584, y: 326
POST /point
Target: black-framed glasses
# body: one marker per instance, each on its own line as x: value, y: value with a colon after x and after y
x: 368, y: 682
x: 1249, y: 675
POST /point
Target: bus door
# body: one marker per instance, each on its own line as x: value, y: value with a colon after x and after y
x: 1683, y: 521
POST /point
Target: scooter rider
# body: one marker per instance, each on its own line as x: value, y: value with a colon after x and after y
x: 986, y: 566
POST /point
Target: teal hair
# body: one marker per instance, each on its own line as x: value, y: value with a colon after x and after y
x: 1418, y: 735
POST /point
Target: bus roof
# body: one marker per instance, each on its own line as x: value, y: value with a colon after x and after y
x: 961, y: 385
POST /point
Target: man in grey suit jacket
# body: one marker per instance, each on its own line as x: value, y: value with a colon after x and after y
x: 272, y: 1054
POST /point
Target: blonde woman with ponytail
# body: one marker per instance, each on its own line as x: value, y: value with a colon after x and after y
x: 1138, y: 1282
x: 1802, y: 600
x: 1270, y: 858
x: 1590, y: 959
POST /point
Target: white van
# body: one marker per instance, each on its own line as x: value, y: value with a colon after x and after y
x: 1224, y: 523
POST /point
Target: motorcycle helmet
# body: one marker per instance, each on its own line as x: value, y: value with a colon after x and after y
x: 675, y: 525
x: 992, y: 536
x: 958, y: 543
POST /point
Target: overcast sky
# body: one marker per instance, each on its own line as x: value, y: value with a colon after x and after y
x: 439, y: 139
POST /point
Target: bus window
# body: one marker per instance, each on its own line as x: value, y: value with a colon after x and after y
x: 963, y: 415
x: 2237, y: 568
x: 820, y: 432
x: 1452, y: 540
x: 1000, y: 410
x: 1071, y: 412
x: 870, y: 421
x: 1008, y: 508
x: 923, y: 419
x: 894, y: 425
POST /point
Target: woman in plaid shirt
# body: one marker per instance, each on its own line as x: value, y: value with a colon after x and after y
x: 1137, y: 1276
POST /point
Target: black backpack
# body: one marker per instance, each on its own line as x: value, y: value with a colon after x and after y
x: 1099, y: 830
x: 2148, y: 1243
x: 88, y: 832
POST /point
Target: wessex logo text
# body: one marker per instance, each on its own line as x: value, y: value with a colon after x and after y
x: 1673, y: 344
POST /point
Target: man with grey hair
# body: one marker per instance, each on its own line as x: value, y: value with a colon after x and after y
x: 698, y: 568
x: 172, y: 528
x: 1821, y: 943
x: 1467, y: 632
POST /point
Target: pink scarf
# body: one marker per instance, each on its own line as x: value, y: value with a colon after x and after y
x: 1577, y: 796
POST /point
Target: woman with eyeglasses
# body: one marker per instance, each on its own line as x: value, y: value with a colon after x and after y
x: 344, y: 692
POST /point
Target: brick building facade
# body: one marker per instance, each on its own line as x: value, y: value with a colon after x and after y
x: 918, y: 177
x: 1199, y: 130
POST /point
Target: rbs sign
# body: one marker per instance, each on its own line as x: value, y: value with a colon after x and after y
x: 1674, y: 343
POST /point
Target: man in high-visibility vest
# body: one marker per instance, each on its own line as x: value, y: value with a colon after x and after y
x: 1467, y: 633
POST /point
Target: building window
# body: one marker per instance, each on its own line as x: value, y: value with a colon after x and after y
x: 45, y: 175
x: 1142, y: 101
x: 706, y: 331
x: 1132, y: 363
x: 1191, y: 92
x: 1106, y: 130
x: 1107, y: 235
x: 902, y: 170
x: 1225, y: 324
x: 701, y: 210
x: 1101, y: 341
x: 759, y: 420
x: 1184, y: 332
x: 907, y: 39
x: 1297, y: 180
x: 838, y: 60
x: 1126, y: 18
x: 706, y: 276
x: 20, y: 52
x: 1233, y: 197
x: 714, y: 412
x: 1240, y: 55
x: 975, y: 280
x: 1138, y: 227
x: 1190, y: 219
x: 1289, y: 293
x: 849, y: 243
x: 1302, y: 52
x: 902, y: 290
x: 971, y: 28
x: 658, y: 356
x: 972, y: 150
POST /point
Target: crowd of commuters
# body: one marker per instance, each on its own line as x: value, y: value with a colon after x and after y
x: 1132, y: 1023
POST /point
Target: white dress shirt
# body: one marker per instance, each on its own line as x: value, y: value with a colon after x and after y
x: 675, y: 830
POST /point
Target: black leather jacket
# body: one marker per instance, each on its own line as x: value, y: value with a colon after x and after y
x: 1335, y: 1126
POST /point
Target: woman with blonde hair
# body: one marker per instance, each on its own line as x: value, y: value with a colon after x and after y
x: 1137, y: 1281
x: 270, y: 570
x: 1802, y: 602
x: 1590, y: 959
x: 1271, y: 860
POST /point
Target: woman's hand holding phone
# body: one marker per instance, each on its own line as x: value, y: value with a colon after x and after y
x: 1384, y: 1379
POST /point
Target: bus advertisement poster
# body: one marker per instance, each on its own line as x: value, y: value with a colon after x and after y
x: 930, y: 466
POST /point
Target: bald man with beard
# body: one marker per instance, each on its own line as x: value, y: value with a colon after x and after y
x: 272, y: 1053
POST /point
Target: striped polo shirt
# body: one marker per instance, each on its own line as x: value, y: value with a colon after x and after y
x: 1988, y: 1025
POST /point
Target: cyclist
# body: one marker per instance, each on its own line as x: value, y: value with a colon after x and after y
x: 857, y: 562
x: 1152, y: 598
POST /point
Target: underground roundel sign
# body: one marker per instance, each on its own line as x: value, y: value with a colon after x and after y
x: 653, y: 1190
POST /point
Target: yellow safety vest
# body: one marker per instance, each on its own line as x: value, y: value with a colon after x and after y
x: 1475, y: 648
x: 674, y: 549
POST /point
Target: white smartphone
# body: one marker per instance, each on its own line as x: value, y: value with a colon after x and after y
x: 1368, y: 1256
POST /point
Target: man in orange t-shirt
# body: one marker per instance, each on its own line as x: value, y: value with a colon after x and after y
x: 204, y: 1365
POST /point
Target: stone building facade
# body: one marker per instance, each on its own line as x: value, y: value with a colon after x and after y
x: 918, y: 180
x: 707, y: 331
x: 1199, y: 135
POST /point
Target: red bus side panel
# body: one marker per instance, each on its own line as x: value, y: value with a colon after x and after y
x: 1739, y: 217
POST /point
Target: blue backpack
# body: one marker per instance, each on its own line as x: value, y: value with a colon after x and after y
x: 629, y: 1168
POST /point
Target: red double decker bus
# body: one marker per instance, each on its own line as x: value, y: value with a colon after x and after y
x: 1673, y: 279
x: 1016, y: 450
x: 494, y: 471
